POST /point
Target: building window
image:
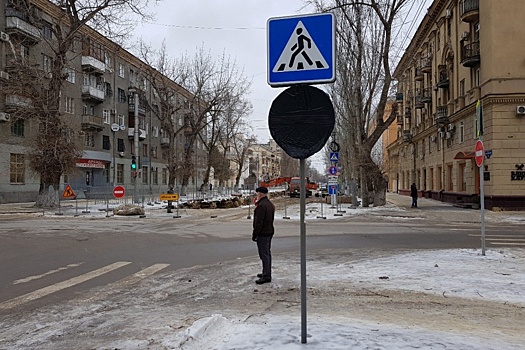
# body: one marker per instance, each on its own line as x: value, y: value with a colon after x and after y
x: 461, y: 132
x: 17, y: 127
x: 16, y: 168
x: 46, y: 30
x: 430, y: 144
x: 462, y: 87
x: 145, y: 152
x: 107, y: 172
x: 120, y: 145
x: 120, y: 173
x: 122, y: 98
x: 164, y: 176
x: 477, y: 77
x: 88, y: 110
x: 462, y: 183
x: 70, y: 74
x: 144, y: 174
x: 154, y: 151
x: 105, y: 142
x: 450, y: 185
x: 155, y: 176
x: 106, y: 115
x: 47, y: 63
x: 89, y: 139
x: 120, y: 119
x: 69, y: 105
x: 121, y: 71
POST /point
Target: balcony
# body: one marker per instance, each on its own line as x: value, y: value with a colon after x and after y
x: 426, y: 96
x: 92, y: 122
x: 93, y: 65
x: 419, y: 74
x: 142, y: 133
x: 165, y: 142
x: 92, y: 93
x: 16, y: 26
x: 442, y: 114
x: 426, y: 64
x: 443, y: 81
x: 470, y: 54
x: 419, y: 103
x: 407, y: 136
x: 131, y: 109
x: 469, y: 10
x: 16, y: 101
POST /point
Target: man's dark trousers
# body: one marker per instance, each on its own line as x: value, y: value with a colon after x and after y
x: 264, y: 246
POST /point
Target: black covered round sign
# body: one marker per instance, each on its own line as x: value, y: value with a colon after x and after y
x: 301, y: 120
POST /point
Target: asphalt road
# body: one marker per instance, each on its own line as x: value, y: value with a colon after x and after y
x: 39, y: 252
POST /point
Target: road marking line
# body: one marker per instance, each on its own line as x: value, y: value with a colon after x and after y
x: 503, y: 243
x: 507, y: 239
x: 37, y: 294
x: 478, y: 235
x: 30, y: 278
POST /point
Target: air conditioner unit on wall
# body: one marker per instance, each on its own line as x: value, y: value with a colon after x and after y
x: 4, y: 36
x: 448, y: 14
x: 448, y: 135
x: 4, y: 117
x: 465, y: 35
x: 432, y: 138
x: 520, y: 110
x: 4, y: 75
x: 451, y: 127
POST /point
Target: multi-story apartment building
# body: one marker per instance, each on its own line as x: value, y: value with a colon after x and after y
x: 264, y: 163
x: 465, y: 53
x: 105, y: 93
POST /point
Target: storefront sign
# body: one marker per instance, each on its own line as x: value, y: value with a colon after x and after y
x: 519, y: 174
x: 90, y: 163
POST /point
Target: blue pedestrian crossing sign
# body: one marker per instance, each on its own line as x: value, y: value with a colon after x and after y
x: 334, y: 157
x: 301, y: 49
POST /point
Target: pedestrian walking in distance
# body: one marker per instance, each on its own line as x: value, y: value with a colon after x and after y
x: 263, y: 233
x: 413, y: 194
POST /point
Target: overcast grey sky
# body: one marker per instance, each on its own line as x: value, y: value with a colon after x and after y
x: 236, y: 27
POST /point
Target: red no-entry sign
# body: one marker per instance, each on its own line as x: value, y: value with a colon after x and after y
x: 119, y: 192
x: 480, y: 153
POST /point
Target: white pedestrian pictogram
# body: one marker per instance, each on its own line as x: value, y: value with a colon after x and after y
x: 300, y: 53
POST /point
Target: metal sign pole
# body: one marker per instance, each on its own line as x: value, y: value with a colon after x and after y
x: 482, y: 204
x: 302, y: 174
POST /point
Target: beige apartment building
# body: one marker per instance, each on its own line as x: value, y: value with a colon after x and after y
x: 466, y: 56
x: 104, y: 84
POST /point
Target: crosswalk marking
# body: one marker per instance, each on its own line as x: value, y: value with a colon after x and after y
x: 507, y: 243
x: 30, y: 278
x: 37, y: 294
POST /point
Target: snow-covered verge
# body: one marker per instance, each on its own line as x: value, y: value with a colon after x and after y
x: 449, y: 299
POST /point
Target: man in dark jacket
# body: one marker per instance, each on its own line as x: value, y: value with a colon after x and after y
x: 413, y: 194
x: 263, y: 232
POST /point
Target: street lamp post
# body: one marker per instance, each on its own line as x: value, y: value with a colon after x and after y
x: 135, y: 136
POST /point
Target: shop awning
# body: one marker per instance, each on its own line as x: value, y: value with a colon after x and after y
x: 465, y: 155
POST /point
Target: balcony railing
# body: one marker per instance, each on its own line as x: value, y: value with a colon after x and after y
x: 419, y: 103
x: 426, y: 64
x: 17, y: 26
x: 426, y: 97
x: 91, y: 64
x: 470, y: 54
x: 419, y: 74
x: 443, y: 81
x: 442, y: 114
x: 94, y: 122
x: 93, y: 93
x: 469, y: 10
x: 18, y: 101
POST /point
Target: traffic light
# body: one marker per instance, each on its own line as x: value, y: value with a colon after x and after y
x: 133, y: 163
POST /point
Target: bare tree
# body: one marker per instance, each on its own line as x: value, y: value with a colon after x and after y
x: 214, y: 85
x: 53, y: 150
x: 364, y: 34
x: 172, y: 102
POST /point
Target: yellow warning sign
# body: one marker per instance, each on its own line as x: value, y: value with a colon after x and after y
x: 169, y: 197
x: 68, y: 193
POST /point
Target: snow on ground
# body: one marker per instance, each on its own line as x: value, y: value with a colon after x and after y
x: 498, y: 276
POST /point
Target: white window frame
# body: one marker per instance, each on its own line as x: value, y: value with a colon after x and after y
x: 106, y: 114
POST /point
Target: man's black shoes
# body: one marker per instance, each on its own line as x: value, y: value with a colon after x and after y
x: 259, y: 275
x: 263, y: 280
